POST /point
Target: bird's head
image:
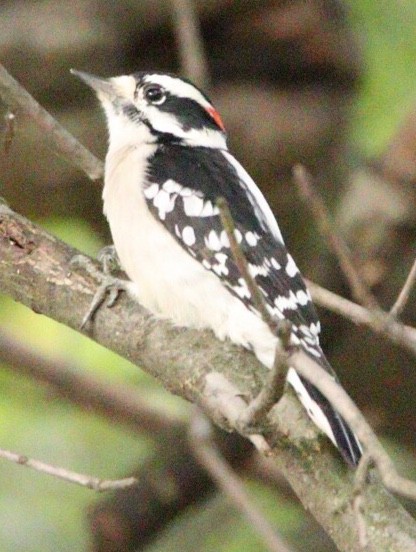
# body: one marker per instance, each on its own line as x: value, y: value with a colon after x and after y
x: 157, y: 107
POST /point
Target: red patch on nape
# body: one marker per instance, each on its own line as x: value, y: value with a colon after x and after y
x: 216, y: 116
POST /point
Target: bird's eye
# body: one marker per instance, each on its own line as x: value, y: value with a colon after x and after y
x: 154, y: 94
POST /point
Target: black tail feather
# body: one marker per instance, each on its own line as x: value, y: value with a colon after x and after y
x: 346, y: 441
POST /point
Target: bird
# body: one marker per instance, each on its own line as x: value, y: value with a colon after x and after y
x: 166, y: 166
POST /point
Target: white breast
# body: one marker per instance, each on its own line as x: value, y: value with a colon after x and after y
x: 172, y: 284
x: 167, y: 280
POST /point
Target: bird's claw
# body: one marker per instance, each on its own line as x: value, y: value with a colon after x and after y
x: 109, y: 285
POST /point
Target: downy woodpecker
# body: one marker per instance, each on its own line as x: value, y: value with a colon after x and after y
x: 166, y: 165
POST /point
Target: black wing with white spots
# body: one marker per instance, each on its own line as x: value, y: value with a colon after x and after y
x: 183, y: 186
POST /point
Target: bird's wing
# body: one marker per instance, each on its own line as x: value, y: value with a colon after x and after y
x: 183, y: 185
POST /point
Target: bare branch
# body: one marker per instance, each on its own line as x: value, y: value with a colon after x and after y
x: 309, y: 194
x: 358, y: 499
x: 208, y: 455
x: 194, y: 62
x: 242, y: 265
x: 35, y: 269
x: 21, y: 102
x: 404, y: 294
x: 349, y: 411
x: 274, y: 387
x: 223, y: 402
x: 88, y: 481
x: 380, y: 322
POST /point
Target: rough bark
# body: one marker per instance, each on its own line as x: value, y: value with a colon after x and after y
x: 35, y: 269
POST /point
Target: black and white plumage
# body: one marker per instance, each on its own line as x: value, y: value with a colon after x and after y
x: 166, y: 165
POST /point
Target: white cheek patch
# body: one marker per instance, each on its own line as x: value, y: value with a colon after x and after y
x: 167, y: 123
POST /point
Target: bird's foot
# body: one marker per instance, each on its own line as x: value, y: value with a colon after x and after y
x: 108, y: 284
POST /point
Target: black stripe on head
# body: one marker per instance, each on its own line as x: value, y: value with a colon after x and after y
x: 189, y: 113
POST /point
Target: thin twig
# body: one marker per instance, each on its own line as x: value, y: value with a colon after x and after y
x: 224, y: 404
x: 22, y: 103
x: 34, y: 268
x: 360, y: 483
x: 190, y: 43
x: 378, y: 321
x: 273, y: 389
x: 309, y: 194
x: 88, y: 481
x: 228, y: 481
x: 242, y: 265
x: 325, y: 383
x: 404, y: 294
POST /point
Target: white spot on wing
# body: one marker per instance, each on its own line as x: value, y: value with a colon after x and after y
x: 193, y: 205
x: 242, y: 290
x: 291, y: 268
x: 186, y: 192
x: 188, y: 235
x: 275, y: 264
x: 221, y: 268
x: 238, y: 235
x: 213, y: 241
x: 164, y: 202
x: 251, y: 238
x: 151, y: 191
x: 256, y: 270
x: 209, y: 210
x: 302, y: 297
x: 315, y: 328
x: 172, y: 187
x: 286, y: 303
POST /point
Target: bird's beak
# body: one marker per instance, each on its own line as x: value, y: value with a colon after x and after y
x: 103, y: 87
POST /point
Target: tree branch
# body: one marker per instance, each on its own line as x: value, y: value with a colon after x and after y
x: 309, y: 194
x: 404, y: 294
x: 88, y: 481
x: 379, y: 322
x: 323, y: 381
x: 194, y: 63
x: 20, y: 101
x: 35, y: 269
x: 229, y: 482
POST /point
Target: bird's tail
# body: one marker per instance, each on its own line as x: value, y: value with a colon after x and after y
x: 326, y: 418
